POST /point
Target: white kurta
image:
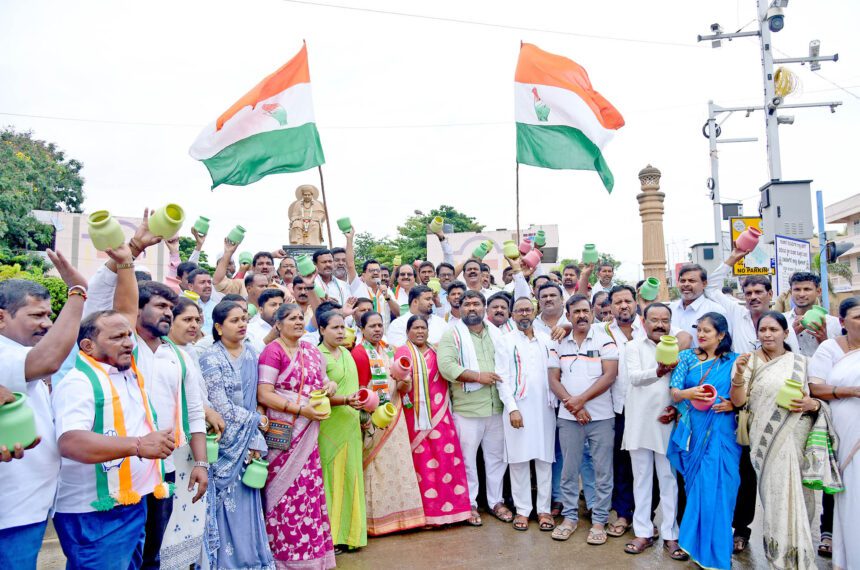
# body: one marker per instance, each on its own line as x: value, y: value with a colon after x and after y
x: 647, y: 397
x: 536, y: 439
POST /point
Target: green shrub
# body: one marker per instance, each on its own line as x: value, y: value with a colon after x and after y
x: 55, y: 286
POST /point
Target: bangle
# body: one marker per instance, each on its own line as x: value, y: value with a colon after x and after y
x: 203, y: 464
x: 77, y: 290
x: 124, y: 266
x: 299, y: 412
x: 835, y: 397
x: 741, y: 383
x: 137, y: 449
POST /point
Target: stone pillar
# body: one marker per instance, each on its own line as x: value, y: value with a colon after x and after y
x: 651, y: 211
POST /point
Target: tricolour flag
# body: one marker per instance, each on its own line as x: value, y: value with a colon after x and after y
x: 271, y: 129
x: 562, y: 122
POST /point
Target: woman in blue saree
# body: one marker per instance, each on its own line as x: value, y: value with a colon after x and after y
x: 236, y: 533
x: 703, y: 447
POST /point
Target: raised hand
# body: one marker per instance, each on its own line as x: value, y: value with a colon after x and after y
x: 70, y: 276
x: 143, y: 236
x: 198, y: 237
x: 121, y: 254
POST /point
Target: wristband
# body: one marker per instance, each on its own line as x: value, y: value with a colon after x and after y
x: 77, y: 290
x: 203, y: 464
x: 835, y: 397
x: 137, y: 449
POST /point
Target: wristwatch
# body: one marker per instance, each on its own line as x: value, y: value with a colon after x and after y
x: 203, y: 464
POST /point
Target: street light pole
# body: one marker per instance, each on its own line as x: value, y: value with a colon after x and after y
x: 715, y: 178
x: 770, y: 101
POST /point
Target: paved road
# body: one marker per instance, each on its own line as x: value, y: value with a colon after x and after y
x: 496, y: 545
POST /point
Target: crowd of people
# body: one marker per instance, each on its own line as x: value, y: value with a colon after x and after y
x: 365, y: 393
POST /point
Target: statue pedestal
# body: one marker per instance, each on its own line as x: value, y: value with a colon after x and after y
x: 294, y: 250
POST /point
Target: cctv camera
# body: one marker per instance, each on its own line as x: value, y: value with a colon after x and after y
x: 775, y: 19
x: 774, y: 103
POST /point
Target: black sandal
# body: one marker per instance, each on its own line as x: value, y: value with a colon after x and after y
x: 674, y: 550
x: 741, y: 544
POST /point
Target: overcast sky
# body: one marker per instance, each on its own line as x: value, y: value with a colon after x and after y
x: 417, y: 112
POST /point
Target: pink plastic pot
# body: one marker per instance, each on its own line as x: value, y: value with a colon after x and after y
x: 369, y: 399
x: 525, y: 246
x: 748, y: 239
x: 401, y: 368
x: 705, y: 405
x: 532, y: 258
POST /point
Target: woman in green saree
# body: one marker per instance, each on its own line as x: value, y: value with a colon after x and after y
x: 340, y: 440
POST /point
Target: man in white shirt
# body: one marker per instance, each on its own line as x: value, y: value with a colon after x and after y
x: 32, y: 348
x: 420, y: 303
x: 605, y: 273
x: 522, y: 358
x: 580, y: 375
x: 369, y: 286
x: 805, y: 292
x: 456, y: 290
x: 335, y: 288
x: 261, y: 330
x: 551, y: 320
x: 201, y: 283
x: 648, y: 427
x: 108, y: 473
x: 166, y: 374
x: 569, y: 280
x: 686, y: 311
x: 499, y: 312
x: 474, y: 278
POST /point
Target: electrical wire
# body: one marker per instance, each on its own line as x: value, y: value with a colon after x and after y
x: 491, y: 24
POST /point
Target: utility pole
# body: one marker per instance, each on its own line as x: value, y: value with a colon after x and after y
x: 770, y: 19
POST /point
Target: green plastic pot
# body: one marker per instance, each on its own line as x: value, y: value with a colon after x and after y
x: 245, y: 258
x: 650, y: 289
x: 105, y: 232
x: 305, y: 265
x: 345, y: 225
x: 816, y: 314
x: 17, y: 423
x: 256, y: 474
x: 212, y: 447
x: 167, y: 221
x: 236, y: 235
x: 589, y: 253
x: 540, y: 238
x: 202, y: 225
x: 436, y: 224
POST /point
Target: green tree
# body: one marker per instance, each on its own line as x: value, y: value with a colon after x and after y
x: 34, y: 175
x: 186, y: 247
x: 607, y: 257
x: 55, y: 286
x: 411, y: 244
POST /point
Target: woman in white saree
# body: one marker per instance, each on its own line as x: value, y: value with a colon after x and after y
x: 835, y: 375
x: 777, y: 439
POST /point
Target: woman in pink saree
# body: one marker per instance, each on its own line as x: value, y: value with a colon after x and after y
x: 295, y: 509
x: 436, y: 452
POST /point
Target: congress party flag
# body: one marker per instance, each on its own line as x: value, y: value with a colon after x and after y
x: 270, y: 130
x: 562, y: 122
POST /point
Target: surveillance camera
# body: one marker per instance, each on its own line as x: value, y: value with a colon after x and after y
x: 716, y: 29
x: 775, y: 18
x: 774, y: 103
x: 814, y: 51
x: 785, y: 120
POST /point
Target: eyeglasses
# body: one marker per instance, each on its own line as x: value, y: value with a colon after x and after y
x: 523, y: 312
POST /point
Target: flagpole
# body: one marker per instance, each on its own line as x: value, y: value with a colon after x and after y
x: 518, y: 201
x: 325, y: 207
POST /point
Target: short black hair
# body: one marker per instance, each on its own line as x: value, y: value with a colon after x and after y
x: 14, y: 293
x: 249, y: 277
x: 90, y: 325
x: 575, y: 268
x: 385, y: 268
x: 605, y: 263
x: 804, y: 276
x: 573, y: 300
x: 182, y: 303
x: 199, y: 271
x: 149, y: 289
x: 468, y: 261
x: 362, y: 322
x: 319, y: 253
x: 754, y: 280
x: 556, y: 272
x: 235, y: 297
x: 501, y: 296
x: 549, y: 285
x: 619, y: 289
x: 427, y: 264
x: 506, y: 269
x: 537, y: 277
x: 299, y: 280
x: 219, y: 315
x: 261, y: 254
x: 474, y: 295
x: 361, y: 300
x: 269, y: 294
x: 417, y: 291
x: 656, y: 305
x: 414, y: 319
x: 599, y: 298
x: 368, y: 263
x: 446, y: 265
x: 184, y: 268
x: 456, y: 285
x: 728, y: 290
x: 335, y: 250
x: 141, y: 275
x: 688, y: 267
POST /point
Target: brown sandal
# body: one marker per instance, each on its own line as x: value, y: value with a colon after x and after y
x: 674, y: 550
x: 546, y: 522
x: 638, y: 545
x: 503, y: 513
x: 617, y: 529
x: 474, y: 519
x: 521, y: 523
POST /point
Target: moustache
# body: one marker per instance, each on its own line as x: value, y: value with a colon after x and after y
x: 659, y: 330
x: 583, y: 320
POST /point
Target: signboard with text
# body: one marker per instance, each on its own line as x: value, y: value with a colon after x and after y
x: 792, y: 255
x: 758, y: 261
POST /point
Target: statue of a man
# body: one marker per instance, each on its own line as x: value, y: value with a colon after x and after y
x: 307, y: 216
